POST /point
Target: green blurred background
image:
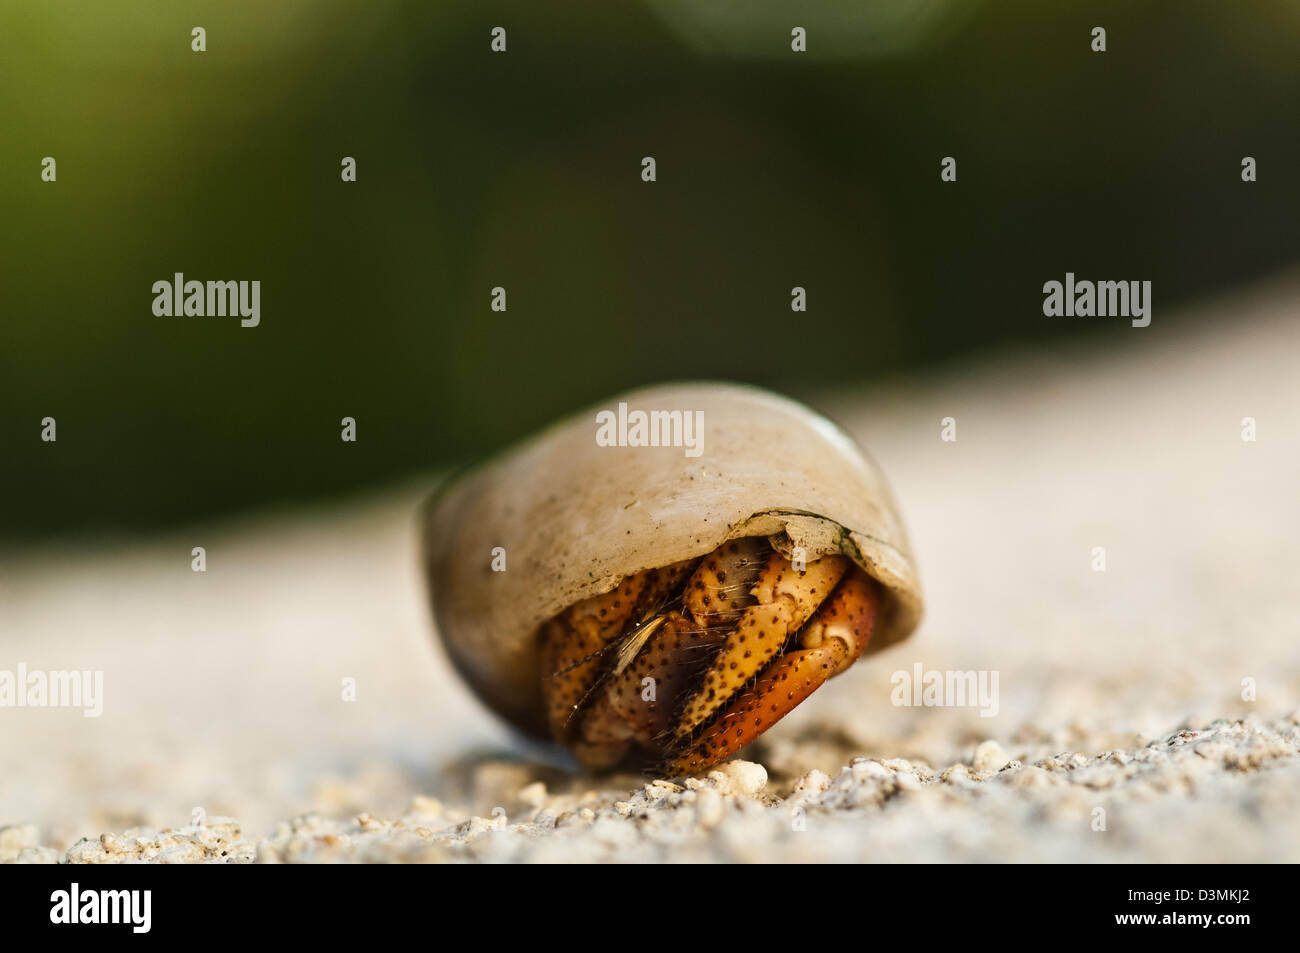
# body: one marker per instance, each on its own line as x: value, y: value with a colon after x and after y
x: 522, y: 170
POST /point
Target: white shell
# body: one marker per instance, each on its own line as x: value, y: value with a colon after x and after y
x: 575, y: 518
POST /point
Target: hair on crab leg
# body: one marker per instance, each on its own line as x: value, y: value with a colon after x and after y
x: 831, y: 641
x: 786, y: 597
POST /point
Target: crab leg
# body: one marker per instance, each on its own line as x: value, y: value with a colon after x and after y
x: 604, y: 738
x: 830, y: 643
x: 575, y: 641
x: 786, y: 598
x: 648, y: 675
x: 636, y: 703
x: 571, y: 648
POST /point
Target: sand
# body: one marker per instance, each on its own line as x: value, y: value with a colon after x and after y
x: 1148, y: 712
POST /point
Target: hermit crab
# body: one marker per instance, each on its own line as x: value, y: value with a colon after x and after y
x: 641, y: 589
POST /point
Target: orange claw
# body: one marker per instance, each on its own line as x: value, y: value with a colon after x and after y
x: 830, y: 643
x: 719, y: 589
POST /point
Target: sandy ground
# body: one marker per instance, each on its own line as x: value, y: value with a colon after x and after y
x: 1121, y: 732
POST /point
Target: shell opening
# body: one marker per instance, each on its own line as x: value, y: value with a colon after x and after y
x: 669, y: 664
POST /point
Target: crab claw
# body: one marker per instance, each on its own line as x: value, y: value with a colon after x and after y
x: 786, y: 598
x: 719, y: 590
x: 830, y: 642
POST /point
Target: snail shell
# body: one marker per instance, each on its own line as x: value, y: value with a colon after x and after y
x: 575, y: 518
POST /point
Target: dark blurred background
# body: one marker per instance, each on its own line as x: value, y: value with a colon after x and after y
x: 476, y: 169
